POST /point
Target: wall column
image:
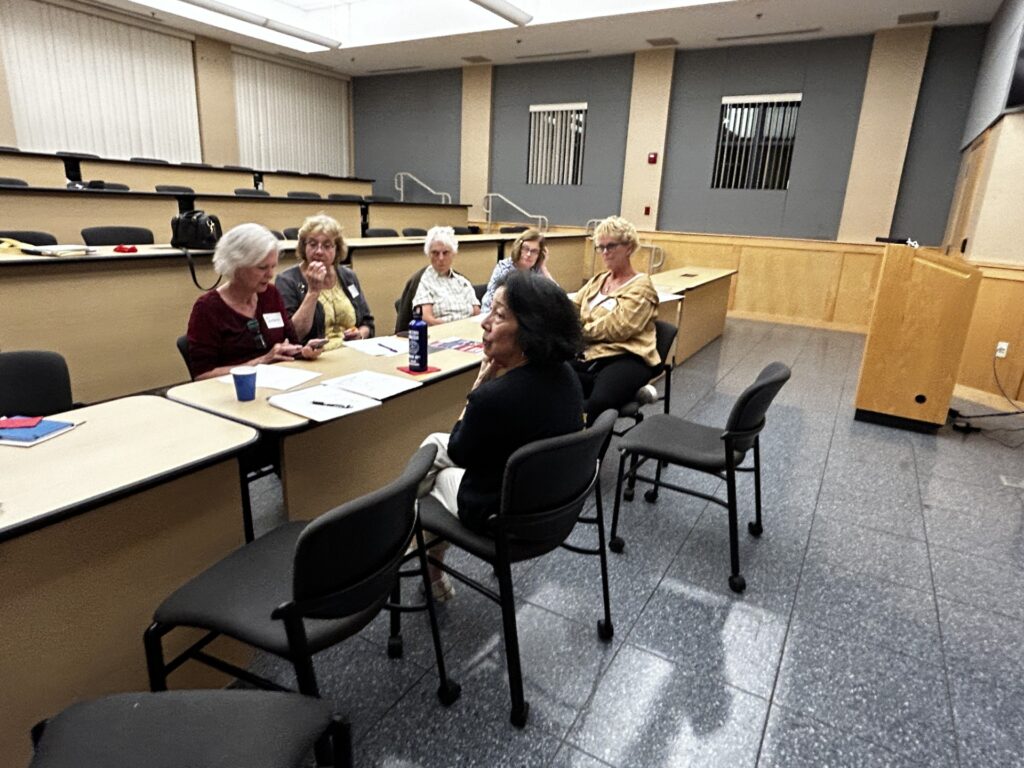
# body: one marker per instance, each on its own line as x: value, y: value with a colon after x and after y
x: 215, y: 101
x: 648, y: 126
x: 475, y: 166
x: 883, y: 132
x: 8, y: 137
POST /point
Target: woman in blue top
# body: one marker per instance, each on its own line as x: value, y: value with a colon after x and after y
x: 529, y: 253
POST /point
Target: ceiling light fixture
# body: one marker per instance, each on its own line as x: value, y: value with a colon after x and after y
x: 262, y: 21
x: 506, y: 10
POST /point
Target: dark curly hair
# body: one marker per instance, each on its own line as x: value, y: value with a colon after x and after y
x: 549, y: 325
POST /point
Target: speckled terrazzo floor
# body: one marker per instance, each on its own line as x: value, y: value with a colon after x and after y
x: 882, y: 625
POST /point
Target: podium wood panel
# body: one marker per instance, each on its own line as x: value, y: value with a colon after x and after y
x: 922, y: 311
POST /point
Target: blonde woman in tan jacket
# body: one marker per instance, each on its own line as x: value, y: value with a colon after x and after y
x: 617, y: 309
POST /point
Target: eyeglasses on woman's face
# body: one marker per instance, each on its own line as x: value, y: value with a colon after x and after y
x: 328, y: 246
x: 606, y: 247
x: 528, y: 251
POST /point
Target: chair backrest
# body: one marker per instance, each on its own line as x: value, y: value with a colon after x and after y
x: 278, y: 235
x: 511, y: 230
x: 546, y: 484
x: 345, y: 196
x: 403, y: 307
x: 34, y: 383
x: 175, y: 188
x: 116, y: 185
x: 413, y: 232
x: 182, y: 344
x: 197, y: 165
x: 665, y: 338
x: 480, y: 289
x: 748, y: 412
x: 251, y: 192
x: 236, y: 168
x: 305, y: 195
x: 5, y: 148
x: 291, y: 233
x: 66, y: 153
x: 10, y: 181
x: 29, y: 236
x: 381, y: 232
x: 462, y: 230
x: 117, y: 235
x: 379, y: 199
x: 348, y: 558
x: 150, y: 160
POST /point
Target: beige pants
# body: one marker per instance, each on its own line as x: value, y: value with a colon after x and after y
x: 443, y: 479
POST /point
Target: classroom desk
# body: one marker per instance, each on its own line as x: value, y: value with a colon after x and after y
x: 277, y: 212
x: 397, y: 215
x: 705, y: 293
x: 283, y: 182
x: 37, y: 168
x: 98, y: 525
x: 145, y: 176
x: 324, y: 465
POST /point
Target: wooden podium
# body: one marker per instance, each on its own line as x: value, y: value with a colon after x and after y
x: 922, y: 310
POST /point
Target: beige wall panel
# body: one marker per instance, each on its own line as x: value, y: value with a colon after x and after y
x: 279, y: 213
x: 37, y: 171
x: 64, y: 214
x: 565, y: 260
x: 720, y: 255
x: 997, y: 317
x: 397, y: 216
x: 974, y: 165
x: 793, y: 284
x: 78, y: 594
x: 648, y: 124
x: 883, y: 131
x: 144, y: 177
x: 997, y: 232
x: 215, y: 99
x: 475, y: 163
x: 857, y: 284
x: 7, y: 134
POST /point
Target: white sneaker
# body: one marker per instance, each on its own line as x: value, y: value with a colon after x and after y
x: 647, y: 395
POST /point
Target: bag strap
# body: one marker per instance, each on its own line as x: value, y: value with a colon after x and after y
x: 192, y: 270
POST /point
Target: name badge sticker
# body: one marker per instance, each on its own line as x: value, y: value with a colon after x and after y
x: 353, y: 290
x: 273, y: 320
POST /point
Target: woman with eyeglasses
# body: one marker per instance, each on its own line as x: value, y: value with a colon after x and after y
x: 244, y: 321
x: 323, y: 297
x: 529, y: 252
x: 617, y: 309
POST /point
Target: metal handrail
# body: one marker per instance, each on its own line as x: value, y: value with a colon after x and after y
x: 542, y: 221
x: 401, y: 176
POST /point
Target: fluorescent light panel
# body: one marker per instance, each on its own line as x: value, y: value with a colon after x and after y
x: 506, y: 10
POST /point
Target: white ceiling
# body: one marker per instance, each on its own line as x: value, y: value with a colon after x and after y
x: 379, y: 35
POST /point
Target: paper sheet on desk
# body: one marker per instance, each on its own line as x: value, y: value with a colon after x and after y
x: 277, y: 377
x: 379, y: 386
x: 666, y: 296
x: 322, y: 402
x: 385, y: 346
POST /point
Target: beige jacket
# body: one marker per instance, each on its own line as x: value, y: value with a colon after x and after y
x: 624, y: 322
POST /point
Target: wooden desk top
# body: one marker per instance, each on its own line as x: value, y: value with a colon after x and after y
x: 103, y: 253
x: 687, y: 278
x: 218, y: 397
x: 120, y: 447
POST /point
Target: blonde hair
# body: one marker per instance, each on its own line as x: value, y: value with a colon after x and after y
x: 620, y: 229
x: 321, y: 224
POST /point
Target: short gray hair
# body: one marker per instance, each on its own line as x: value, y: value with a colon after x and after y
x: 243, y: 246
x: 443, y: 235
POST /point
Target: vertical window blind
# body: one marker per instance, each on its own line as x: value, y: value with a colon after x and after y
x: 557, y: 137
x: 290, y: 118
x: 755, y: 141
x: 82, y: 83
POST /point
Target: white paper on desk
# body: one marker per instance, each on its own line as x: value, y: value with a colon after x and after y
x: 666, y: 296
x: 303, y: 402
x: 379, y: 386
x: 277, y: 377
x: 385, y: 346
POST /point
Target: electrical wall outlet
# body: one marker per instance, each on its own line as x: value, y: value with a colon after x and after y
x: 1002, y: 347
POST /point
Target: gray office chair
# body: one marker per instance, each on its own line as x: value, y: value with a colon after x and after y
x: 381, y: 232
x: 117, y: 235
x: 463, y: 230
x: 199, y: 729
x: 9, y: 149
x: 291, y: 233
x: 251, y: 192
x: 34, y: 383
x: 345, y: 197
x: 116, y: 185
x: 668, y: 439
x: 66, y: 153
x: 10, y: 181
x: 236, y: 168
x: 176, y: 189
x: 512, y: 230
x: 305, y: 195
x: 379, y: 199
x: 29, y: 236
x: 149, y: 160
x: 413, y: 232
x: 196, y: 165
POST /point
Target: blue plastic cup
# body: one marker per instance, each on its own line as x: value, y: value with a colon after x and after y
x: 245, y: 382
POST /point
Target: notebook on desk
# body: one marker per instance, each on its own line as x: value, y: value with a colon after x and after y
x: 24, y: 437
x: 59, y: 250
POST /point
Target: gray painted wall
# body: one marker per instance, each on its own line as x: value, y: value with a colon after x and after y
x: 996, y: 70
x: 933, y: 156
x: 410, y: 122
x: 605, y: 85
x: 831, y: 76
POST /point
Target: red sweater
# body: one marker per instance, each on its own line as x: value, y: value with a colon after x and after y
x: 218, y: 335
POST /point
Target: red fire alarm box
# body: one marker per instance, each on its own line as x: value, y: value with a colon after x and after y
x: 652, y: 158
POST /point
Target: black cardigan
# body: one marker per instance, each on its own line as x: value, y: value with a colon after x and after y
x: 291, y: 284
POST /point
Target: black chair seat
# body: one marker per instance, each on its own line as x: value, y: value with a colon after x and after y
x: 29, y: 236
x: 200, y: 729
x: 238, y: 594
x: 441, y: 522
x: 669, y: 438
x: 34, y: 383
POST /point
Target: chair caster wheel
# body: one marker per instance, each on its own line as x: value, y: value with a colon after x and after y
x: 627, y: 495
x: 605, y: 629
x: 518, y: 718
x: 449, y: 693
x: 650, y: 496
x: 755, y: 529
x: 737, y: 583
x: 616, y: 544
x: 395, y: 649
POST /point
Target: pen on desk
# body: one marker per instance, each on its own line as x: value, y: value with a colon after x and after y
x: 332, y: 405
x: 389, y: 349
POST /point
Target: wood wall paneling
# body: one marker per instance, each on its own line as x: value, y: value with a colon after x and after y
x: 475, y: 160
x: 37, y: 170
x: 998, y: 317
x: 215, y: 100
